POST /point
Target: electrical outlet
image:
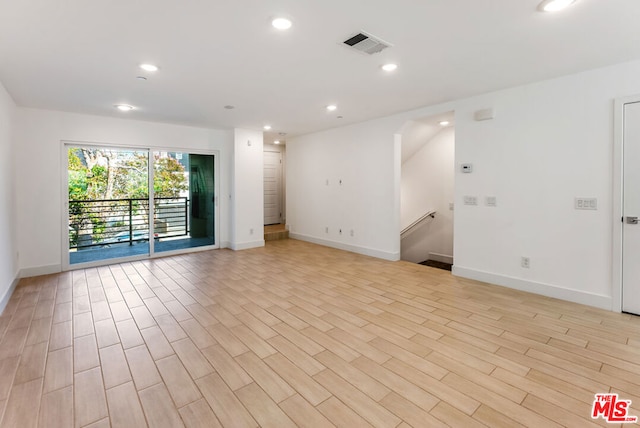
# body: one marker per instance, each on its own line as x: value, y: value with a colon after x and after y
x: 340, y: 231
x: 352, y: 233
x: 251, y: 231
x: 525, y: 262
x: 451, y: 206
x: 326, y: 230
x: 490, y: 201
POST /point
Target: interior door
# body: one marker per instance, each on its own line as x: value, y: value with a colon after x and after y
x: 631, y: 210
x: 272, y: 187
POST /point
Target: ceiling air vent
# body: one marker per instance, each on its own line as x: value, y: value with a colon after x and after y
x: 366, y: 43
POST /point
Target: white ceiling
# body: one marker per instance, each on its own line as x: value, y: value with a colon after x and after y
x: 82, y: 55
x: 418, y: 132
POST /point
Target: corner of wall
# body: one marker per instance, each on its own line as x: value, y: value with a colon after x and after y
x: 365, y: 251
x: 40, y: 270
x: 247, y: 219
x: 247, y: 245
x: 7, y: 295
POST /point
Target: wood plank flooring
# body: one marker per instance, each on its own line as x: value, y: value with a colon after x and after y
x: 296, y: 334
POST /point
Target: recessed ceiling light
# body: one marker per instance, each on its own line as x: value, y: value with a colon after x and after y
x: 149, y: 67
x: 267, y: 127
x: 141, y: 78
x: 229, y: 107
x: 124, y: 107
x: 444, y: 123
x: 332, y: 107
x: 390, y: 67
x: 281, y: 23
x: 554, y: 5
x: 276, y: 142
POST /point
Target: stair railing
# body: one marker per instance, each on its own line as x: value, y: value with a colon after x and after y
x: 415, y: 224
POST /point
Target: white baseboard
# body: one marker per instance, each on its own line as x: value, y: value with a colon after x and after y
x: 40, y: 270
x: 443, y: 258
x: 7, y: 295
x: 352, y: 248
x: 571, y: 295
x: 246, y: 245
x: 225, y: 244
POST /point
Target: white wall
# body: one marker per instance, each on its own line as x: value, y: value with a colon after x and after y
x: 428, y: 184
x: 8, y: 242
x: 248, y: 194
x: 38, y: 143
x: 550, y: 142
x: 345, y: 179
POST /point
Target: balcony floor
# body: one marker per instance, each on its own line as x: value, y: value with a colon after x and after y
x: 137, y: 249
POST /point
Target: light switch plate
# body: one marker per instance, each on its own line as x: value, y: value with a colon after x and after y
x: 470, y: 200
x: 586, y: 203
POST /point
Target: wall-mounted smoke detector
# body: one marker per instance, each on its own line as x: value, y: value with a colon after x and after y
x: 366, y: 43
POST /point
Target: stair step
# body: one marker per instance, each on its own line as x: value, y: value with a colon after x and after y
x: 436, y: 264
x: 275, y: 236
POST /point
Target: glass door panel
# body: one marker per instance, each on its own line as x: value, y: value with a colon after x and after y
x: 108, y: 203
x: 184, y: 201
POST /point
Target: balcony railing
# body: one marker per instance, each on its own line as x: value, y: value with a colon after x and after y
x: 96, y: 223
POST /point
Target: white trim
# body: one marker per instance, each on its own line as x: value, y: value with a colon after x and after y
x: 7, y: 295
x: 151, y: 220
x: 372, y: 252
x: 618, y: 201
x: 238, y: 246
x: 225, y: 244
x: 216, y: 197
x: 572, y: 295
x: 181, y: 251
x: 64, y: 227
x: 40, y: 270
x: 443, y: 258
x: 107, y: 262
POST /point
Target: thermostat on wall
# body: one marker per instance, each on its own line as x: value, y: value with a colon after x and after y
x: 466, y: 167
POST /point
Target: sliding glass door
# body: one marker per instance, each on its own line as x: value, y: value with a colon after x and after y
x: 114, y: 193
x: 108, y: 205
x: 184, y: 186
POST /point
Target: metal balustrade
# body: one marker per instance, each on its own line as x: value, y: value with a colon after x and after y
x: 107, y: 222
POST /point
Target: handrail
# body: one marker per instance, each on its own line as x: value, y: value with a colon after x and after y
x: 431, y: 214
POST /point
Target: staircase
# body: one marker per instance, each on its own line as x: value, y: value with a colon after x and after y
x: 275, y: 232
x: 437, y: 264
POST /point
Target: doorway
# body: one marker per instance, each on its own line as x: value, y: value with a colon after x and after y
x: 628, y: 148
x: 273, y: 187
x: 427, y: 190
x: 113, y: 194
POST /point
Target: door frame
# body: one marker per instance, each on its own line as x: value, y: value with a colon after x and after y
x: 618, y: 199
x: 64, y: 241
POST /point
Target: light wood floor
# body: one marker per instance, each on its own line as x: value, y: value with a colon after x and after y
x: 301, y: 335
